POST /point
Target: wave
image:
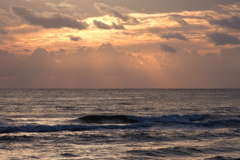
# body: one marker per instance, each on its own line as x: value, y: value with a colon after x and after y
x: 166, y: 152
x: 225, y: 123
x: 194, y: 119
x: 57, y: 128
x: 178, y: 151
x: 109, y: 118
x: 221, y: 158
x: 130, y: 122
x: 138, y: 119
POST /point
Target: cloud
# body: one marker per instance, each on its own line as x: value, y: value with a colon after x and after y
x: 155, y: 30
x: 75, y: 38
x: 4, y: 53
x: 156, y: 6
x: 101, y: 25
x: 26, y: 50
x: 179, y: 20
x: 167, y: 48
x: 174, y: 36
x: 124, y: 9
x: 232, y: 8
x: 7, y: 19
x: 223, y: 38
x: 63, y: 6
x: 117, y: 26
x: 3, y: 31
x: 105, y: 9
x: 192, y: 70
x: 26, y: 29
x: 87, y: 66
x: 109, y: 67
x: 106, y: 48
x: 232, y: 54
x: 139, y: 40
x: 232, y: 22
x: 39, y: 52
x: 56, y: 20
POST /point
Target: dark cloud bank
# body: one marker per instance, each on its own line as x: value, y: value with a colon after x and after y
x: 232, y: 22
x: 56, y: 20
x: 223, y: 38
x: 91, y: 67
x: 105, y: 66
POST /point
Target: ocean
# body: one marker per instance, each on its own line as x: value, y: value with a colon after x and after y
x: 120, y: 124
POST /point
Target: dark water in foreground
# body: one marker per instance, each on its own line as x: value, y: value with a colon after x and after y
x: 120, y: 124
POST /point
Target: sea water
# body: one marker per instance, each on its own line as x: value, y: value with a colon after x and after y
x: 53, y: 124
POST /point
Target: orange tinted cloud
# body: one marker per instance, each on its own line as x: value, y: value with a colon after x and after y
x: 118, y: 44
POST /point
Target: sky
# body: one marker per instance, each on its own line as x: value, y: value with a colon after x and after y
x: 119, y: 44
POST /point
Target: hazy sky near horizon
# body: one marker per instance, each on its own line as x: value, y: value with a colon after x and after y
x: 119, y: 44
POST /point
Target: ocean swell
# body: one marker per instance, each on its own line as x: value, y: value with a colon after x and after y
x: 57, y: 128
x: 128, y: 122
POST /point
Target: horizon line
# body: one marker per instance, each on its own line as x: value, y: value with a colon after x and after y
x: 127, y: 88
